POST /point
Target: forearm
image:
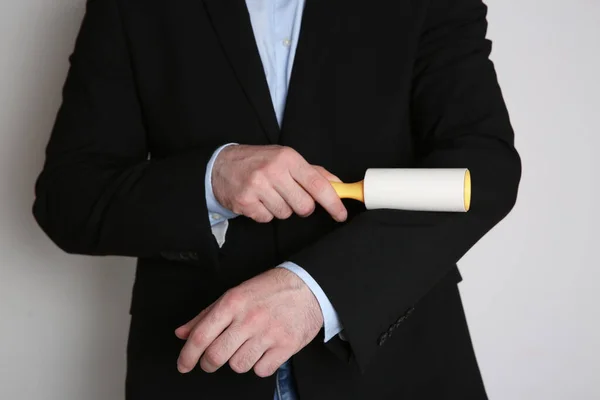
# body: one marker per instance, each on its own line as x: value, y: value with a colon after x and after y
x: 134, y: 208
x: 379, y: 265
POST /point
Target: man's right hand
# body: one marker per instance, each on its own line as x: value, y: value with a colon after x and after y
x: 266, y: 182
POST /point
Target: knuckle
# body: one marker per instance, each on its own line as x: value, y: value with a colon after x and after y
x: 274, y: 334
x: 317, y: 184
x: 274, y: 171
x: 244, y: 199
x: 234, y: 299
x: 263, y: 218
x: 232, y: 336
x: 282, y: 336
x: 238, y: 208
x: 276, y: 210
x: 265, y: 370
x: 257, y: 178
x: 256, y: 317
x: 197, y: 339
x: 285, y: 156
x: 306, y: 208
x: 286, y: 341
x: 254, y: 214
x: 334, y: 206
x: 216, y: 315
x: 242, y: 363
x: 286, y: 153
x: 238, y: 366
x: 213, y: 357
x: 282, y: 211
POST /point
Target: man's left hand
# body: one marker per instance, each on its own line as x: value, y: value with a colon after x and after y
x: 257, y: 325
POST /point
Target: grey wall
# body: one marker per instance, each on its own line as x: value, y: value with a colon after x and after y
x: 63, y: 319
x: 530, y: 285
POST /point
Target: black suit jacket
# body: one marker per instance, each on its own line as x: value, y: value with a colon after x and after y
x: 155, y: 86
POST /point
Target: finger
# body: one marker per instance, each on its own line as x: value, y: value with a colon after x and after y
x: 202, y: 335
x: 295, y: 196
x: 330, y: 177
x: 321, y: 190
x: 275, y: 204
x: 259, y: 213
x: 183, y: 332
x: 270, y: 362
x: 248, y: 355
x: 221, y: 350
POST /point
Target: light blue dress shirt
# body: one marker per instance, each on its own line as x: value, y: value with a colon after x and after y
x: 276, y: 25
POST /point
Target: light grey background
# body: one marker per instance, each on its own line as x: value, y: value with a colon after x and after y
x: 530, y: 286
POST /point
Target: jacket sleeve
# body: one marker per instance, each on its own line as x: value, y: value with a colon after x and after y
x: 99, y: 192
x: 377, y: 267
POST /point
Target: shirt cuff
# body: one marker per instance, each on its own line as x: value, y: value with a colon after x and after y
x: 331, y: 322
x: 216, y: 212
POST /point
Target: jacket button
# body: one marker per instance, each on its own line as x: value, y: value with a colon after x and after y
x: 171, y: 256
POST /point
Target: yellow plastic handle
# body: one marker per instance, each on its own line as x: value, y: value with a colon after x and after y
x: 350, y: 190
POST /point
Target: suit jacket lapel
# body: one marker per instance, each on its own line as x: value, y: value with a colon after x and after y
x: 303, y: 104
x: 232, y: 24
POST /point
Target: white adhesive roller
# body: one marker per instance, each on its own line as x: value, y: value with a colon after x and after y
x: 447, y: 190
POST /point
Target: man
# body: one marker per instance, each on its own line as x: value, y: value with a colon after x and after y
x: 200, y: 136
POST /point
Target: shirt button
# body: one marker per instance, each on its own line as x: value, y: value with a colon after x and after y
x: 287, y: 42
x: 216, y: 216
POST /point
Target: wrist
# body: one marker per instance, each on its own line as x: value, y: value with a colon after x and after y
x: 291, y: 281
